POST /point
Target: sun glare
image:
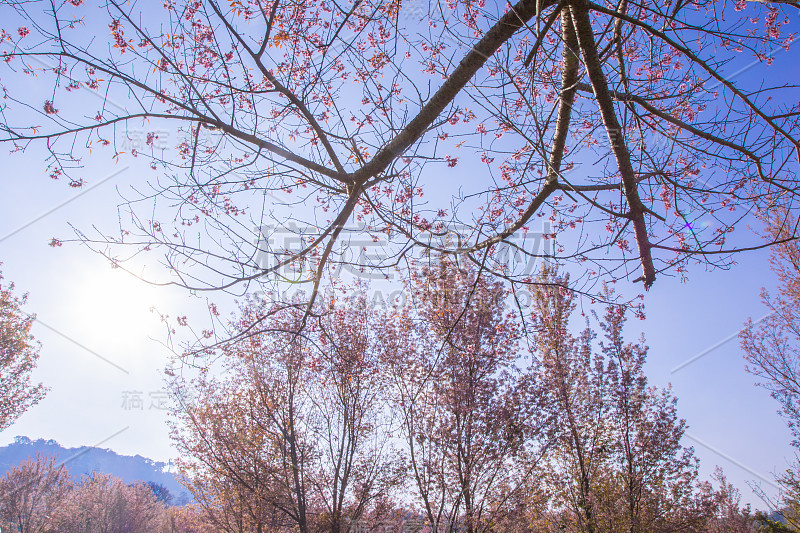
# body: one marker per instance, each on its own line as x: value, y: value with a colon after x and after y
x: 113, y: 306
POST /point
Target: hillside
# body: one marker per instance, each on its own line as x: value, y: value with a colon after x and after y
x: 87, y: 459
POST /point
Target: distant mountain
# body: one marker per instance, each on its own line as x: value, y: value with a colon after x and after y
x: 87, y: 459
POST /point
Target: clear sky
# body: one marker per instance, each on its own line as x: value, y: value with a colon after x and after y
x: 103, y: 360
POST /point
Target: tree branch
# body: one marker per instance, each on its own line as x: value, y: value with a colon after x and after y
x: 583, y: 26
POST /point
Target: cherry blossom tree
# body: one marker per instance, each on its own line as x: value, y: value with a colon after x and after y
x: 31, y: 493
x: 655, y: 472
x: 617, y: 462
x: 449, y: 126
x: 582, y: 429
x: 465, y: 416
x: 771, y: 345
x: 242, y: 440
x: 103, y: 503
x: 18, y: 355
x: 186, y: 519
x: 39, y: 496
x: 294, y: 432
x: 722, y: 507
